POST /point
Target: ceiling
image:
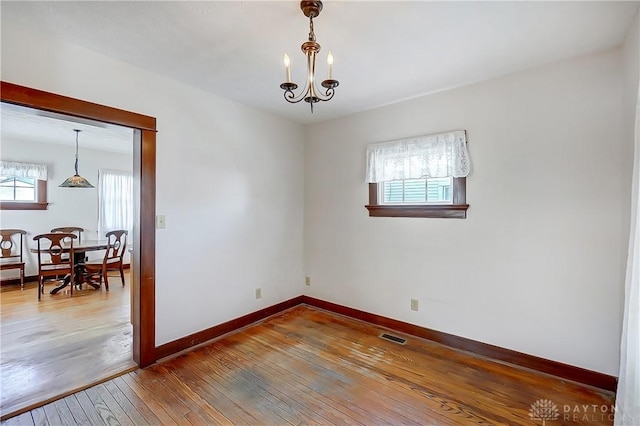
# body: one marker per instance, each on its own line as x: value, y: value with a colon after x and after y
x: 385, y: 51
x: 27, y: 124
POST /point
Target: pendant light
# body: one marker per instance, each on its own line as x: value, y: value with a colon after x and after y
x: 76, y: 181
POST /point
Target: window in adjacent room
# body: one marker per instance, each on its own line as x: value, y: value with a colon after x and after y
x: 23, y: 186
x: 423, y: 176
x: 115, y: 201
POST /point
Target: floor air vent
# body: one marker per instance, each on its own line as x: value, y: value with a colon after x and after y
x: 394, y: 339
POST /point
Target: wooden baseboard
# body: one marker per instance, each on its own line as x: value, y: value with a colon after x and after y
x: 566, y: 371
x: 195, y: 339
x: 16, y: 281
x: 34, y: 278
x: 558, y: 369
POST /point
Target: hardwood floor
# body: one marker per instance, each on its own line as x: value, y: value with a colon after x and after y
x: 307, y: 366
x: 61, y: 344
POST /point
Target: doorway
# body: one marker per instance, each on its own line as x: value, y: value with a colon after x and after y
x: 144, y: 168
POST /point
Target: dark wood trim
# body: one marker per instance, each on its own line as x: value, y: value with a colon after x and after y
x: 569, y: 372
x: 16, y: 205
x: 441, y: 211
x: 195, y: 339
x: 16, y: 281
x: 144, y: 170
x: 38, y: 99
x: 456, y: 210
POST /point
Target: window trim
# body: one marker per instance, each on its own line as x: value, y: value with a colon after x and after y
x: 456, y: 210
x: 40, y: 204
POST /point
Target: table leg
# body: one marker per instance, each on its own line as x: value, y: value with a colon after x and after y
x: 94, y: 285
x: 65, y: 282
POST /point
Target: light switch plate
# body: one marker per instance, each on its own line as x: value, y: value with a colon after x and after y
x: 161, y: 221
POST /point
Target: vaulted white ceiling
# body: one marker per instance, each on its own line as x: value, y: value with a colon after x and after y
x: 385, y: 51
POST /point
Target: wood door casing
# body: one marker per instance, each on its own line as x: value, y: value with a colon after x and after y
x: 144, y: 172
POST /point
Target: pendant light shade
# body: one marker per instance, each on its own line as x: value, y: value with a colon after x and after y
x: 76, y: 181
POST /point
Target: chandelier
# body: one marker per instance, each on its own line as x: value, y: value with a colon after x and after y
x: 310, y: 94
x: 76, y: 181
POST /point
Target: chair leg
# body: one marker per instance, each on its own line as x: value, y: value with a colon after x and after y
x: 40, y: 287
x: 22, y: 278
x: 106, y: 279
x: 122, y: 274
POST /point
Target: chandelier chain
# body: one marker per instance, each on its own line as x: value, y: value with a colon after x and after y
x: 312, y: 34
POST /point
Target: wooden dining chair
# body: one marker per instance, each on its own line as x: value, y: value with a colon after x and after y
x: 80, y: 257
x: 11, y: 251
x: 113, y: 258
x: 70, y: 230
x: 51, y: 262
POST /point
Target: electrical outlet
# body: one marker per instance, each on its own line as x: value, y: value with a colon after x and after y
x: 414, y: 304
x: 307, y: 281
x: 258, y: 293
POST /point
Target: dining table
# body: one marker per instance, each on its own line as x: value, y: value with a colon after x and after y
x: 79, y: 253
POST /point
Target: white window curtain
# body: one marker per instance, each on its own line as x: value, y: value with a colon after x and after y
x: 25, y: 170
x: 440, y: 155
x: 628, y: 392
x: 115, y: 201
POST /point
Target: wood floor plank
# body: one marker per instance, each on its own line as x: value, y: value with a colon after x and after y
x: 76, y: 410
x: 131, y: 410
x: 62, y: 343
x: 311, y: 349
x: 290, y: 385
x: 217, y: 383
x: 308, y: 366
x: 65, y: 413
x: 230, y: 409
x: 102, y: 408
x: 376, y: 400
x: 125, y: 382
x: 94, y: 416
x: 191, y: 399
x: 39, y: 417
x: 154, y: 386
x: 53, y: 417
x: 237, y: 384
x: 116, y: 410
x: 24, y: 419
x: 256, y: 382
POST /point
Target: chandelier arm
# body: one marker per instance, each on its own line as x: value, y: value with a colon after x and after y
x: 327, y: 95
x: 291, y: 97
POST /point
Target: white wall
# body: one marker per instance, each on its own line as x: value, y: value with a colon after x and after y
x: 537, y: 267
x: 631, y: 76
x: 538, y: 264
x: 68, y: 206
x: 229, y: 180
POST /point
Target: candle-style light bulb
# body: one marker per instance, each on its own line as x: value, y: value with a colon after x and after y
x: 287, y: 67
x: 330, y: 62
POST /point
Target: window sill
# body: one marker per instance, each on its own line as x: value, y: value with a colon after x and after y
x: 457, y: 211
x: 23, y: 206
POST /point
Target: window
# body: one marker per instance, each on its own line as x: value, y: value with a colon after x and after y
x: 23, y: 186
x: 13, y: 188
x: 115, y: 201
x: 416, y: 191
x: 419, y: 177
